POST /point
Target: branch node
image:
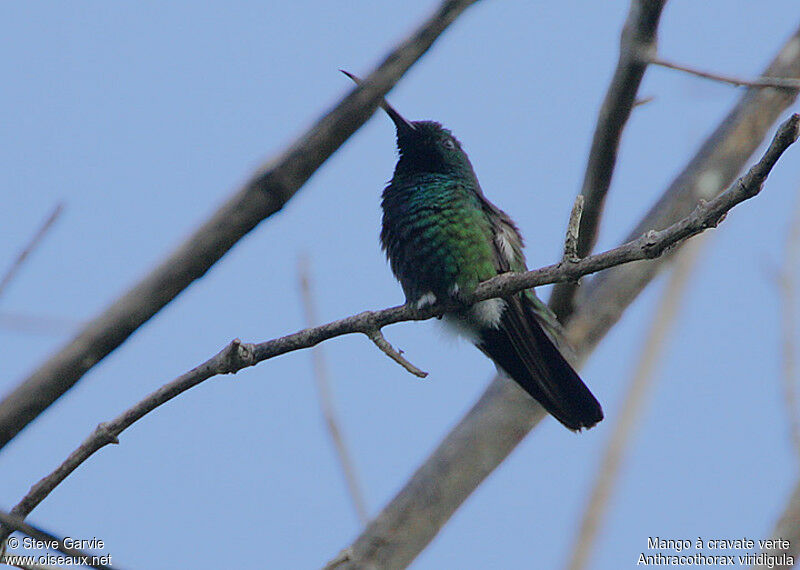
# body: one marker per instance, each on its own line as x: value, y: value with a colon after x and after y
x: 237, y: 355
x: 106, y: 433
x: 652, y: 246
x: 376, y: 336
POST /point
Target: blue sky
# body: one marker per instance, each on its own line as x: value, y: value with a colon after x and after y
x: 143, y: 117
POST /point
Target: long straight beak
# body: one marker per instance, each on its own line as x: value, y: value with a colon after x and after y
x: 399, y: 121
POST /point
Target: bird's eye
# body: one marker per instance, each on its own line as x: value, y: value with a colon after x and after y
x: 449, y: 144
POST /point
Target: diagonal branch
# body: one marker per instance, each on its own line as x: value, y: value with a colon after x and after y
x: 776, y: 82
x: 237, y: 355
x: 263, y: 195
x: 637, y: 42
x: 504, y: 415
x: 326, y: 399
x: 30, y: 246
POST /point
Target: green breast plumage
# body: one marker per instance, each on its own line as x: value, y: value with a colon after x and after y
x: 436, y: 235
x: 443, y: 237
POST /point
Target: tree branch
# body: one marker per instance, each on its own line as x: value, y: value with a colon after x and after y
x: 237, y: 355
x: 376, y: 336
x: 776, y: 82
x: 637, y: 41
x: 233, y: 357
x: 263, y: 195
x: 31, y: 245
x: 326, y: 399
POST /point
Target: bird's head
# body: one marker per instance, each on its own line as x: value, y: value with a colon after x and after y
x: 429, y: 147
x: 425, y: 146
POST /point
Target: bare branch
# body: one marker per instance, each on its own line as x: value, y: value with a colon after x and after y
x: 264, y: 194
x: 53, y: 542
x: 639, y: 388
x: 504, y: 414
x: 776, y: 82
x: 233, y: 357
x: 35, y: 240
x: 326, y: 399
x: 237, y: 355
x: 376, y: 336
x: 637, y: 41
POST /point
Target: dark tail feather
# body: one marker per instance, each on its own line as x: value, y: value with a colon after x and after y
x: 524, y: 351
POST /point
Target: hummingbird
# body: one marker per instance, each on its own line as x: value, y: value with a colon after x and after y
x: 443, y: 237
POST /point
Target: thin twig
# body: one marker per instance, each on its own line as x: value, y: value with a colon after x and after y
x: 237, y: 355
x: 638, y: 39
x: 326, y: 398
x: 639, y: 388
x: 573, y: 230
x: 53, y: 542
x: 760, y: 82
x: 788, y: 318
x: 376, y: 336
x: 35, y: 240
x: 272, y: 186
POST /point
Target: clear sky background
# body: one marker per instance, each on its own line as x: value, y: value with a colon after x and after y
x: 142, y: 117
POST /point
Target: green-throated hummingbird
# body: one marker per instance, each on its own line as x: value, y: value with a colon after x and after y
x: 442, y: 237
